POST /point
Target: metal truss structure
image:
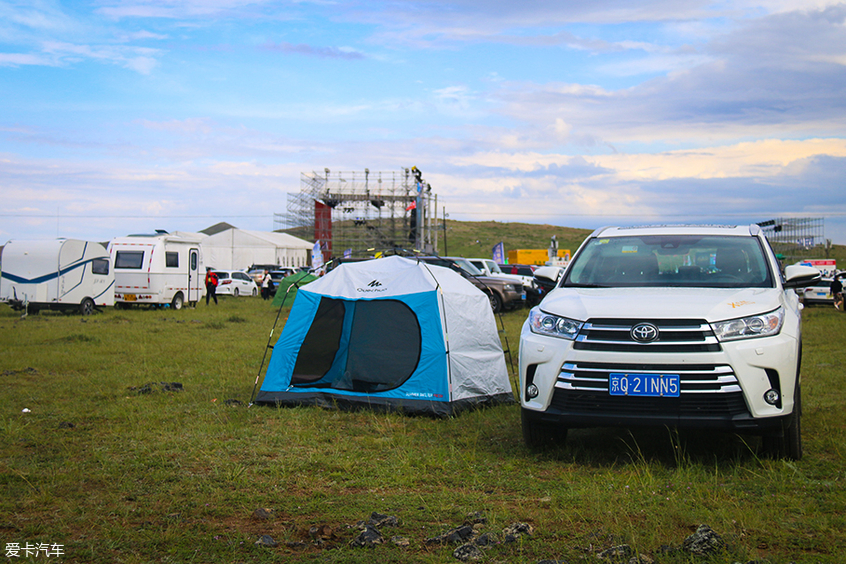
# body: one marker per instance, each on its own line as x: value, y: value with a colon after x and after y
x: 368, y: 212
x: 796, y: 237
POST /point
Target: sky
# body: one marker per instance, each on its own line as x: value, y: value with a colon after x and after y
x: 126, y: 116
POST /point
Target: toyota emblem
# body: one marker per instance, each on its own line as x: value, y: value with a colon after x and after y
x: 644, y: 333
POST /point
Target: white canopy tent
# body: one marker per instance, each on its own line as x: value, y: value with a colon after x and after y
x: 235, y: 249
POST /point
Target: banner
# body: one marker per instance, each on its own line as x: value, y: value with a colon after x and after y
x: 499, y: 253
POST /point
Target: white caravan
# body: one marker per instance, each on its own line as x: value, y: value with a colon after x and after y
x: 63, y: 274
x: 158, y: 269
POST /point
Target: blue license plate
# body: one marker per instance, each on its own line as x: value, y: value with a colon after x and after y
x: 650, y: 385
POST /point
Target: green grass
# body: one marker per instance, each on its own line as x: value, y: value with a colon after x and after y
x: 116, y: 475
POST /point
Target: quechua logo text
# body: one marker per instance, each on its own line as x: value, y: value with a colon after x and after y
x: 373, y: 286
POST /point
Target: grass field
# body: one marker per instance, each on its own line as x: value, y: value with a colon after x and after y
x: 106, y: 473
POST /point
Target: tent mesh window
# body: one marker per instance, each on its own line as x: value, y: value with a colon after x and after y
x: 382, y: 352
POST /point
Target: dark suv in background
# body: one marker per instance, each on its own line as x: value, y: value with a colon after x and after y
x: 503, y: 294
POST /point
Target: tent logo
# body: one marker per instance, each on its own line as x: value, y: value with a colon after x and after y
x: 373, y: 286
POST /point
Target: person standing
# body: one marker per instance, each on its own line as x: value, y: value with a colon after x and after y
x: 211, y: 285
x: 837, y: 292
x: 266, y: 283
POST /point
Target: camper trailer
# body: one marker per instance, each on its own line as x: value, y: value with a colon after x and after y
x: 158, y: 269
x: 64, y: 274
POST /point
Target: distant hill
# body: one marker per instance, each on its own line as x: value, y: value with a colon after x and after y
x: 477, y: 238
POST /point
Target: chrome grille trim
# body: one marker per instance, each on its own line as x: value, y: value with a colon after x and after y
x: 694, y: 379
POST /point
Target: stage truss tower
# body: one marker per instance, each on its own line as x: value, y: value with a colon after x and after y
x: 796, y: 237
x: 367, y: 212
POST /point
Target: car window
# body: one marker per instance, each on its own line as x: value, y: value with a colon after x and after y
x: 465, y: 265
x: 494, y: 267
x: 222, y: 275
x: 671, y: 260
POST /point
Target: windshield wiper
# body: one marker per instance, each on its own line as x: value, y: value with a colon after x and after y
x: 571, y: 285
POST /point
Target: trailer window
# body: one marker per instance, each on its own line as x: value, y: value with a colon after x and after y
x: 172, y: 259
x: 129, y: 259
x: 100, y: 266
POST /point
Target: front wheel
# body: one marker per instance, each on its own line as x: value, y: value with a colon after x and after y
x: 255, y: 292
x: 177, y: 302
x: 496, y: 302
x: 537, y: 434
x: 86, y: 307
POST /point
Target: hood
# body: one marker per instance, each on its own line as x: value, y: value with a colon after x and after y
x: 711, y: 304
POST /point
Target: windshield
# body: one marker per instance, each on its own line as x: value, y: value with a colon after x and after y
x: 671, y: 260
x: 467, y: 267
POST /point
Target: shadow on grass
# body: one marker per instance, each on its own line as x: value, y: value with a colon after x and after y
x: 656, y: 445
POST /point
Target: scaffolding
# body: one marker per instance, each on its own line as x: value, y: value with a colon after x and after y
x: 796, y: 237
x: 367, y: 212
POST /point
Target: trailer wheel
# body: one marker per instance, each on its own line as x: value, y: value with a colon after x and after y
x: 177, y: 302
x: 86, y: 307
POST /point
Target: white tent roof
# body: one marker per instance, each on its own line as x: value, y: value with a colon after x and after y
x: 240, y: 248
x: 389, y: 277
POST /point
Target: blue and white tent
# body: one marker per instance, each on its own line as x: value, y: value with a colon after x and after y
x: 393, y: 334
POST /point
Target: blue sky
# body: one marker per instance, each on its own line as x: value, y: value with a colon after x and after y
x: 128, y: 116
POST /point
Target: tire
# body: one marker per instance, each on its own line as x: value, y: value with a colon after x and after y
x: 86, y: 306
x: 254, y: 293
x: 178, y: 301
x: 235, y: 292
x: 787, y: 442
x: 496, y: 302
x: 537, y: 434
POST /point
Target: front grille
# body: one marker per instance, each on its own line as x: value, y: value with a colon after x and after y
x: 694, y: 378
x: 706, y: 390
x: 674, y: 336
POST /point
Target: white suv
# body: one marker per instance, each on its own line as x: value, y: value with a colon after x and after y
x: 683, y: 326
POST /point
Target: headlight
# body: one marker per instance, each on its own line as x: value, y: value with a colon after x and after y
x: 552, y: 325
x: 762, y: 325
x: 509, y: 288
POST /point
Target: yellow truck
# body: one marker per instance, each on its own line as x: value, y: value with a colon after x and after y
x: 535, y: 256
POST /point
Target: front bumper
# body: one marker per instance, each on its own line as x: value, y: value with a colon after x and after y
x: 722, y: 385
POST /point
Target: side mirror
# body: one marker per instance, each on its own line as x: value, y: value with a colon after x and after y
x: 549, y: 274
x: 798, y: 276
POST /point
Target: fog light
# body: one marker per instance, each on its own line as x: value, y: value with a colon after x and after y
x: 532, y: 391
x: 771, y: 397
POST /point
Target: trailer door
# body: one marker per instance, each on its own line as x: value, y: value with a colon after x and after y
x: 194, y: 280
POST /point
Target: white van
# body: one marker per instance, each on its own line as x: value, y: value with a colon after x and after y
x: 157, y: 269
x: 64, y: 274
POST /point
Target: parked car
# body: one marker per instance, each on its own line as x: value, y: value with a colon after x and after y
x: 502, y: 293
x: 235, y: 283
x: 819, y: 293
x: 280, y: 273
x: 489, y: 268
x: 547, y: 277
x: 686, y: 326
x: 519, y: 269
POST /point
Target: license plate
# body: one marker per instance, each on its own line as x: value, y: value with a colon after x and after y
x: 650, y: 385
x: 523, y: 296
x: 129, y: 297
